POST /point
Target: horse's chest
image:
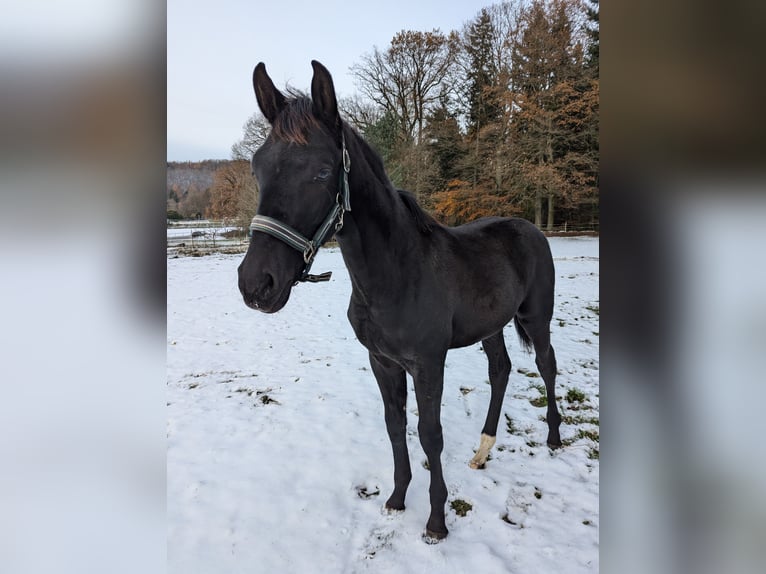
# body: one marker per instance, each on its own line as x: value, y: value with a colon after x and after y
x: 378, y: 332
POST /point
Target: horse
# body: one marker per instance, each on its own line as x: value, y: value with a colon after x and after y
x: 419, y: 287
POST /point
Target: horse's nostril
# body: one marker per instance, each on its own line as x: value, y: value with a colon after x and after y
x: 268, y: 283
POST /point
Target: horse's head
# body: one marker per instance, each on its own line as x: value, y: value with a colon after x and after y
x: 298, y: 169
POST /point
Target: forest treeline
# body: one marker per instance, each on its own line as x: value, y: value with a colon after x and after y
x: 498, y: 118
x: 219, y: 189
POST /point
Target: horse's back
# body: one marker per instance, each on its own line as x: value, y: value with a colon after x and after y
x: 491, y: 265
x: 504, y: 241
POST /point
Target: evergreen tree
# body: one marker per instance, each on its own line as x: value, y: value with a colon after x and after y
x: 592, y: 12
x: 383, y: 136
x: 482, y: 73
x: 445, y: 144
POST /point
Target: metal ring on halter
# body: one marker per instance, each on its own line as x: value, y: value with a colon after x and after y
x: 308, y: 254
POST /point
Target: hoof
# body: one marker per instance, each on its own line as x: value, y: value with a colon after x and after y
x: 554, y: 443
x: 431, y: 537
x: 481, y: 456
x: 386, y: 510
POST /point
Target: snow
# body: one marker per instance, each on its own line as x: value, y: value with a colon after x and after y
x: 186, y: 232
x: 275, y: 429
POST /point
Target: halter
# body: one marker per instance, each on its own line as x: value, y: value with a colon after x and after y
x: 310, y: 247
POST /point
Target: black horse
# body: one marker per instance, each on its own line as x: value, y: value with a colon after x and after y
x: 419, y: 288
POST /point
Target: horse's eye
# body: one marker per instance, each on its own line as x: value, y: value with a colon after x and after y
x: 323, y: 174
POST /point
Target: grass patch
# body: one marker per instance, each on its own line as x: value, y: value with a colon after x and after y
x: 575, y: 396
x: 461, y: 507
x: 540, y: 388
x: 541, y: 401
x: 593, y: 309
x: 581, y: 434
x: 580, y: 407
x: 589, y: 434
x: 510, y: 426
x: 538, y: 493
x: 577, y: 420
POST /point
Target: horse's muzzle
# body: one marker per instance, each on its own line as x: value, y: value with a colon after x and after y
x: 261, y: 292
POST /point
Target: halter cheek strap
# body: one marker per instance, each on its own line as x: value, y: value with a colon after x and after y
x: 310, y: 247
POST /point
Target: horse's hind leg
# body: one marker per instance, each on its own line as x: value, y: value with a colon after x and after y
x: 545, y: 359
x: 392, y: 381
x: 499, y: 369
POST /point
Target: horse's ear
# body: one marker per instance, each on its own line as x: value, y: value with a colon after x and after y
x: 324, y: 103
x: 270, y: 99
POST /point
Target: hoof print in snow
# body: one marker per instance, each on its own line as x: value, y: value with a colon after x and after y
x: 510, y: 521
x: 264, y: 398
x: 365, y: 493
x: 379, y: 539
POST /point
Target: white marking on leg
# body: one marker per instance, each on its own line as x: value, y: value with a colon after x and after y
x: 480, y: 458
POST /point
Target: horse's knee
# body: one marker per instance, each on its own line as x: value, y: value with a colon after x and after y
x: 431, y: 437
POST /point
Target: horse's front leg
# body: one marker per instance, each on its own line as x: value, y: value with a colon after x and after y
x: 429, y: 381
x: 392, y: 381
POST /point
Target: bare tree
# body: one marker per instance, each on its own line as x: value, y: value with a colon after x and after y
x: 256, y: 130
x: 408, y: 77
x: 360, y: 113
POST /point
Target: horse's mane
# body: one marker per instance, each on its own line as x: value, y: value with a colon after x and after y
x: 297, y: 118
x: 423, y: 220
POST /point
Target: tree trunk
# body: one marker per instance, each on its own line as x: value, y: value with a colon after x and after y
x: 476, y: 160
x: 539, y: 209
x: 550, y: 212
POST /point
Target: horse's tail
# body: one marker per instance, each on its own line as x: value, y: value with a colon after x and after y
x: 524, y: 339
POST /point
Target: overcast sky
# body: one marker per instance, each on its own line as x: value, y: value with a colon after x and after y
x: 214, y: 46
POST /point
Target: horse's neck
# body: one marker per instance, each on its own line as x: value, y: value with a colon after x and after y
x: 376, y: 232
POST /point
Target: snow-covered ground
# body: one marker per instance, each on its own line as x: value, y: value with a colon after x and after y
x: 186, y: 232
x: 278, y: 458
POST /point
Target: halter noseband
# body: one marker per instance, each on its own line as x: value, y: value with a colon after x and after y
x: 296, y: 240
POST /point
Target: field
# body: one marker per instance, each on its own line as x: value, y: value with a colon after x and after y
x: 278, y: 458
